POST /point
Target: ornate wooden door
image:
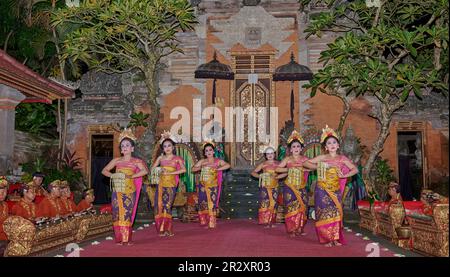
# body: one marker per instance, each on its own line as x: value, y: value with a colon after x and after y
x: 257, y: 94
x: 250, y: 97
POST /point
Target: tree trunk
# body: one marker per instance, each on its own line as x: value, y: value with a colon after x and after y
x: 385, y: 120
x: 64, y: 133
x: 344, y: 116
x: 147, y: 141
x: 59, y: 128
x: 5, y: 46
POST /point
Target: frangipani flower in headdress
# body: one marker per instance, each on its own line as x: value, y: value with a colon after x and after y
x: 167, y: 135
x: 328, y: 132
x: 295, y: 136
x: 127, y: 133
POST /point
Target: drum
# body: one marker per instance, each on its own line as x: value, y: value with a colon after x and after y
x: 117, y: 181
x: 155, y: 174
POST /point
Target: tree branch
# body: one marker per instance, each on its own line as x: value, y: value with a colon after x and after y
x: 364, y: 30
x: 5, y: 46
x: 377, y: 15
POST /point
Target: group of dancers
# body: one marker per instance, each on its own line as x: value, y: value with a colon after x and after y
x: 333, y: 170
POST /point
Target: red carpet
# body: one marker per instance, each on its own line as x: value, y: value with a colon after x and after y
x: 232, y: 238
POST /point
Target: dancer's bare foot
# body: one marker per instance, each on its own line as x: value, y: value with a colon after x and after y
x: 273, y: 226
x: 267, y: 226
x: 129, y: 243
x: 170, y: 234
x: 292, y: 235
x: 337, y: 243
x: 162, y: 234
x: 303, y: 233
x: 329, y: 244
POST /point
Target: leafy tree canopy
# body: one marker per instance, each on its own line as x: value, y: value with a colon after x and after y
x: 387, y: 49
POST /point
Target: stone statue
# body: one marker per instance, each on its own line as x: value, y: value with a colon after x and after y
x: 418, y: 153
x: 350, y: 146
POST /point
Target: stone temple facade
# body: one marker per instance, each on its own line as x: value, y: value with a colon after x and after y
x: 252, y: 37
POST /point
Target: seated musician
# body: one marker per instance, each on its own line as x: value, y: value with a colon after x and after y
x: 394, y: 193
x: 25, y: 207
x: 68, y: 205
x: 3, y: 205
x: 38, y: 178
x: 50, y: 205
x: 88, y: 199
x: 429, y: 199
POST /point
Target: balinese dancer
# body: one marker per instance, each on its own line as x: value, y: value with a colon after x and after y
x: 125, y: 198
x: 332, y: 173
x: 268, y: 188
x: 295, y: 196
x: 170, y: 167
x: 210, y: 184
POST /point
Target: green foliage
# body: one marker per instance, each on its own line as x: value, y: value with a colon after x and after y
x: 117, y: 36
x: 392, y: 52
x: 69, y: 160
x: 120, y: 36
x: 390, y: 58
x: 35, y: 166
x: 383, y: 176
x: 72, y: 176
x: 36, y: 118
x: 69, y: 169
x: 26, y: 34
x: 138, y: 119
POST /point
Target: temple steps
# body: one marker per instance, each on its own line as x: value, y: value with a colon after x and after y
x: 240, y: 195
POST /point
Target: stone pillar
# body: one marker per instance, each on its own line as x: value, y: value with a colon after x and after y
x: 9, y: 99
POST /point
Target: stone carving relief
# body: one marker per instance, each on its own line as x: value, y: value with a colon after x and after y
x: 252, y: 27
x: 99, y: 84
x: 253, y: 36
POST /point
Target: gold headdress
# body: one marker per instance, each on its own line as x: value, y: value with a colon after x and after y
x: 28, y: 186
x: 208, y: 141
x: 54, y: 184
x: 327, y: 132
x: 64, y: 184
x: 88, y: 192
x: 127, y: 133
x: 167, y: 135
x: 295, y: 136
x: 3, y: 182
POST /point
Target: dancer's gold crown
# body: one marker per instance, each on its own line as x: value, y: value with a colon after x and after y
x: 127, y: 133
x: 295, y: 136
x: 327, y: 132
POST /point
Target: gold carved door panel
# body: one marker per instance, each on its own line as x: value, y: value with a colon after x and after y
x: 251, y: 97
